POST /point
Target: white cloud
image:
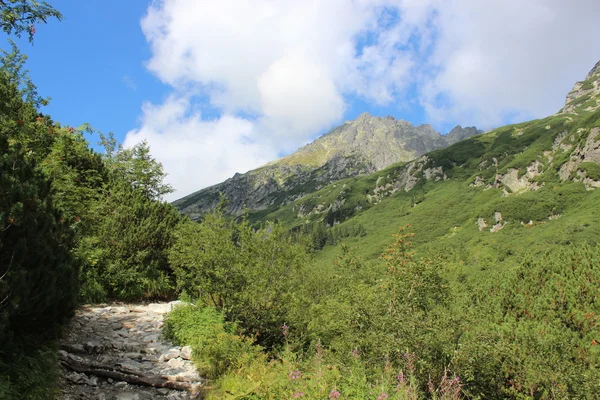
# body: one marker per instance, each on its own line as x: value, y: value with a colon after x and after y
x: 278, y: 72
x: 513, y: 57
x: 195, y: 152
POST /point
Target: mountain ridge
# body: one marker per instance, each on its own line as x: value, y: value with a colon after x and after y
x: 358, y: 147
x: 532, y: 160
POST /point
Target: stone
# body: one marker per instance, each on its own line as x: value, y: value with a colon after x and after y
x: 172, y: 353
x: 497, y: 217
x: 106, y: 342
x: 186, y: 352
x: 482, y: 224
x: 90, y: 381
x: 176, y: 362
x: 74, y: 377
x: 93, y: 347
x: 127, y: 396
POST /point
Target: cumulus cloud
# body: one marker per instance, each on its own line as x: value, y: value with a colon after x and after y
x: 277, y: 73
x: 500, y: 61
x: 197, y: 152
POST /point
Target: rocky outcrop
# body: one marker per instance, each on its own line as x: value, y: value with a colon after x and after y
x: 589, y: 152
x: 365, y: 145
x: 116, y: 352
x: 585, y: 95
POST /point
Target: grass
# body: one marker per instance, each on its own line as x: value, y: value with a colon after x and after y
x: 30, y: 371
x: 591, y: 169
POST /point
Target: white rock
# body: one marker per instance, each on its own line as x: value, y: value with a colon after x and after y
x: 176, y: 363
x: 186, y: 352
x: 75, y: 377
x: 172, y: 353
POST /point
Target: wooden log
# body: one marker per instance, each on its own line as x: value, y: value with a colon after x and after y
x: 79, y: 365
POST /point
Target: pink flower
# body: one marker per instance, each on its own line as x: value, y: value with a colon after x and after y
x: 296, y: 375
x: 284, y: 329
x: 383, y: 396
x: 401, y: 378
x: 334, y: 394
x: 297, y: 394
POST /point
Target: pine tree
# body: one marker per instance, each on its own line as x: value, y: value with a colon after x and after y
x: 38, y: 284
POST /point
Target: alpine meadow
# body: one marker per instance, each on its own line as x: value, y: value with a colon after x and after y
x: 383, y: 260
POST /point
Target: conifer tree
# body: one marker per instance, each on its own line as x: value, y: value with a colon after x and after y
x: 38, y: 283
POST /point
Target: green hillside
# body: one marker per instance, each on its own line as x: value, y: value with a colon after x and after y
x: 520, y: 171
x: 469, y: 272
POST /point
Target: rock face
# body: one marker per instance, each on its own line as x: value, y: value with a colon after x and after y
x: 123, y: 341
x: 585, y: 95
x: 365, y: 145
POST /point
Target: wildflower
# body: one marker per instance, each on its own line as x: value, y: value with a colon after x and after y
x: 355, y: 353
x: 297, y: 394
x: 401, y: 378
x: 296, y: 375
x: 383, y: 396
x: 284, y: 330
x: 334, y: 394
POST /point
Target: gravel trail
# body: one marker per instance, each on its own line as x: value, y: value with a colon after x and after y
x: 105, y: 348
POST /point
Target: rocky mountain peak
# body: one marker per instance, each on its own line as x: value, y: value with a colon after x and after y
x: 362, y: 146
x: 594, y: 71
x: 585, y: 95
x: 459, y: 133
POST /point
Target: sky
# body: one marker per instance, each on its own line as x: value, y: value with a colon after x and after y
x: 223, y: 86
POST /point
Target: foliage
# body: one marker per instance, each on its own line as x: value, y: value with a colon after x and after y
x: 74, y: 224
x: 13, y: 63
x: 28, y: 371
x: 216, y: 346
x: 333, y: 343
x: 137, y: 167
x: 245, y: 273
x: 591, y: 169
x: 134, y: 235
x: 38, y: 276
x: 18, y: 16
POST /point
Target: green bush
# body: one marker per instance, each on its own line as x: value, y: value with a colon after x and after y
x: 247, y: 274
x: 591, y: 169
x: 217, y: 348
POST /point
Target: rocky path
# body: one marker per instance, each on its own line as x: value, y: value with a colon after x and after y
x: 115, y: 353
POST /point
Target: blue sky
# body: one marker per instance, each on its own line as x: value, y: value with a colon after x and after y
x: 218, y: 87
x: 92, y: 64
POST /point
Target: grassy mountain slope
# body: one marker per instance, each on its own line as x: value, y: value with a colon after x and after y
x: 485, y: 201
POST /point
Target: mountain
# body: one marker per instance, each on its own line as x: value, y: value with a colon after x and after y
x: 484, y: 201
x: 360, y: 147
x: 585, y: 96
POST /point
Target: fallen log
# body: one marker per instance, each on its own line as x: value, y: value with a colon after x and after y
x: 80, y: 365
